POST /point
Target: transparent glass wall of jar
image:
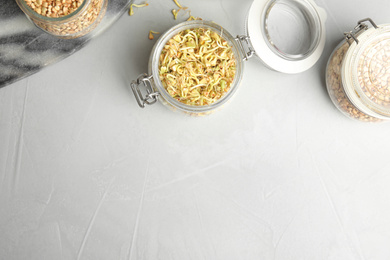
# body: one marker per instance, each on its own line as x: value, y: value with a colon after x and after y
x: 52, y: 15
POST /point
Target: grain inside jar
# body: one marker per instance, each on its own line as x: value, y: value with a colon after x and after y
x: 65, y: 18
x: 54, y: 8
x: 374, y: 72
x: 197, y: 67
x: 336, y: 88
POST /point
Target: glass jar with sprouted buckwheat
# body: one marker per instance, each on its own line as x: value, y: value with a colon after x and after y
x: 358, y: 73
x: 65, y: 18
x: 195, y: 67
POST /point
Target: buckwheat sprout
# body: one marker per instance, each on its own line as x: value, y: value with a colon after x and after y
x: 197, y: 66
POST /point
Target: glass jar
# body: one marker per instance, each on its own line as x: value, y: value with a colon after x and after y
x: 287, y: 35
x: 154, y: 86
x: 358, y: 73
x: 73, y: 25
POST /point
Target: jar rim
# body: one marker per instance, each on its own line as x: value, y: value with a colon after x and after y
x: 307, y: 13
x: 311, y: 17
x: 154, y: 64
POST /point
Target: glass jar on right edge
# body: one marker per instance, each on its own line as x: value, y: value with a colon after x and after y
x: 358, y: 73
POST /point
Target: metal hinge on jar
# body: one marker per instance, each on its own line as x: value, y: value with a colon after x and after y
x: 151, y: 97
x: 249, y: 51
x: 361, y: 26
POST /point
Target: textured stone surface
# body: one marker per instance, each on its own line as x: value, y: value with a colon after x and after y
x: 25, y: 49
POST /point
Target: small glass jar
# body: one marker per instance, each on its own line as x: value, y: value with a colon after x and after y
x: 287, y: 35
x: 358, y: 73
x: 154, y: 86
x: 76, y: 24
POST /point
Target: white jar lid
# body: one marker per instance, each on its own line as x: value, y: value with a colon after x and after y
x: 287, y: 35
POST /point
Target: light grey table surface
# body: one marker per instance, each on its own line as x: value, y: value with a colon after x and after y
x: 278, y: 173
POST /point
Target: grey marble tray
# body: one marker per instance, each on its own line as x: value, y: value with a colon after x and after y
x: 25, y: 49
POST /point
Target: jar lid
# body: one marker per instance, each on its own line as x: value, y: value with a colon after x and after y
x: 287, y: 35
x: 366, y: 72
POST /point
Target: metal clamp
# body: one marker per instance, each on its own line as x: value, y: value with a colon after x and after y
x: 150, y: 97
x: 361, y: 26
x: 241, y: 39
